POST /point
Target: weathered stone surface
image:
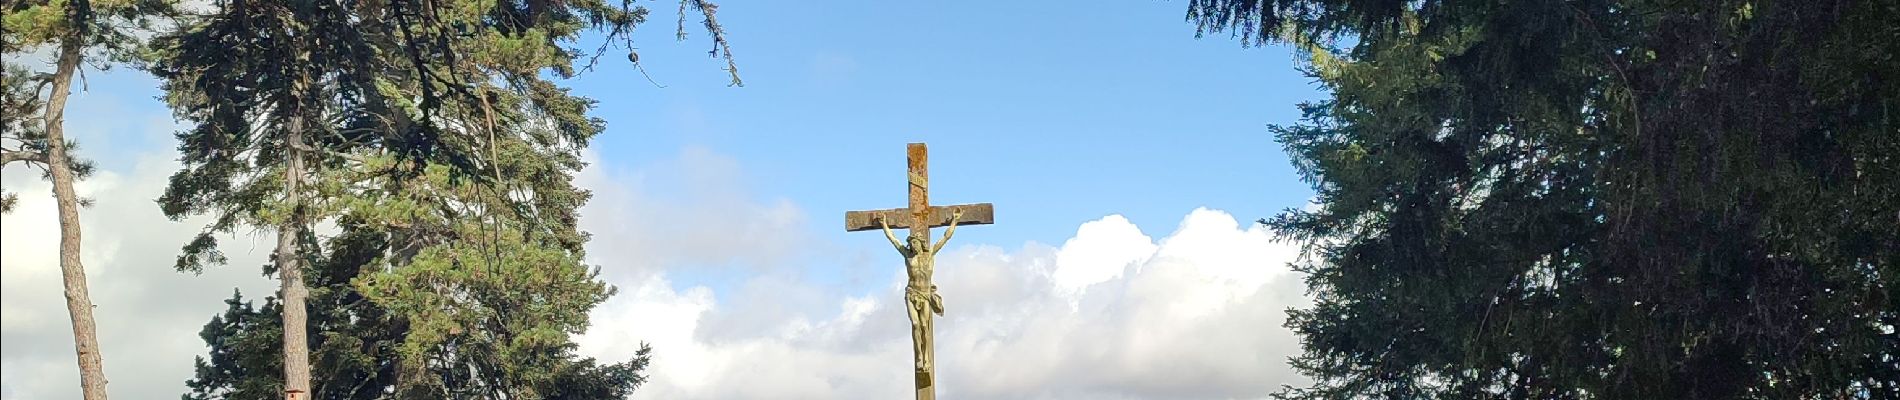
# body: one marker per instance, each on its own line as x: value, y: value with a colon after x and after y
x: 973, y: 214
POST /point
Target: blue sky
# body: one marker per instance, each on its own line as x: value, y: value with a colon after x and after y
x: 1062, y: 114
x: 1058, y: 112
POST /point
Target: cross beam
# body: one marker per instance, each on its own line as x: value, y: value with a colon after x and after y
x: 899, y: 218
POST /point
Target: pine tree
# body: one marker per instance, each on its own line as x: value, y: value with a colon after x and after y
x: 257, y: 81
x: 444, y: 156
x: 1594, y: 199
x: 246, y: 344
x: 74, y: 27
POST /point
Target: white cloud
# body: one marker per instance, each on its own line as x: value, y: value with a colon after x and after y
x: 148, y: 315
x: 1100, y: 251
x: 1110, y: 314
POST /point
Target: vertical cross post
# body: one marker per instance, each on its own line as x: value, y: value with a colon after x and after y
x: 918, y: 165
x: 919, y: 168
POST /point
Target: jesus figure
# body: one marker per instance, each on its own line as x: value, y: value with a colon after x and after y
x: 920, y: 295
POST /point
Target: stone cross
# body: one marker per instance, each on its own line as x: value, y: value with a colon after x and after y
x: 921, y: 298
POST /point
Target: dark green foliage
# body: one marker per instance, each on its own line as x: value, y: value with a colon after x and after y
x: 246, y: 350
x: 1595, y: 199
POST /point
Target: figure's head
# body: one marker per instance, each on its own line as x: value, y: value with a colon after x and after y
x: 917, y: 243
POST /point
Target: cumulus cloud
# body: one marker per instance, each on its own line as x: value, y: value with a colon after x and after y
x: 148, y: 315
x: 1110, y: 314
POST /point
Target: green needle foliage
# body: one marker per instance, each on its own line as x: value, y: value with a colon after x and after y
x: 438, y: 145
x: 74, y: 28
x: 1594, y: 199
x: 246, y: 354
x: 29, y: 25
x: 111, y: 26
x: 22, y: 132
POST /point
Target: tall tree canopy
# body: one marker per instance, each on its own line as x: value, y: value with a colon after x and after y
x: 33, y: 131
x: 434, y: 137
x: 1594, y: 198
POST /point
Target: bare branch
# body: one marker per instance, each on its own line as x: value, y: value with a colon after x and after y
x: 8, y: 157
x: 721, y: 48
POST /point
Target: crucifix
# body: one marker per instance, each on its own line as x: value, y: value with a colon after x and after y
x: 920, y: 296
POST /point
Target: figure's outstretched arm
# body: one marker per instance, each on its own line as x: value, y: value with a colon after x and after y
x: 957, y: 215
x: 888, y: 235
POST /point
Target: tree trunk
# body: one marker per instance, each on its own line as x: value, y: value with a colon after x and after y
x: 290, y: 269
x: 92, y: 376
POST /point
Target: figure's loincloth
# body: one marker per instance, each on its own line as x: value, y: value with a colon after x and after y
x: 924, y: 299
